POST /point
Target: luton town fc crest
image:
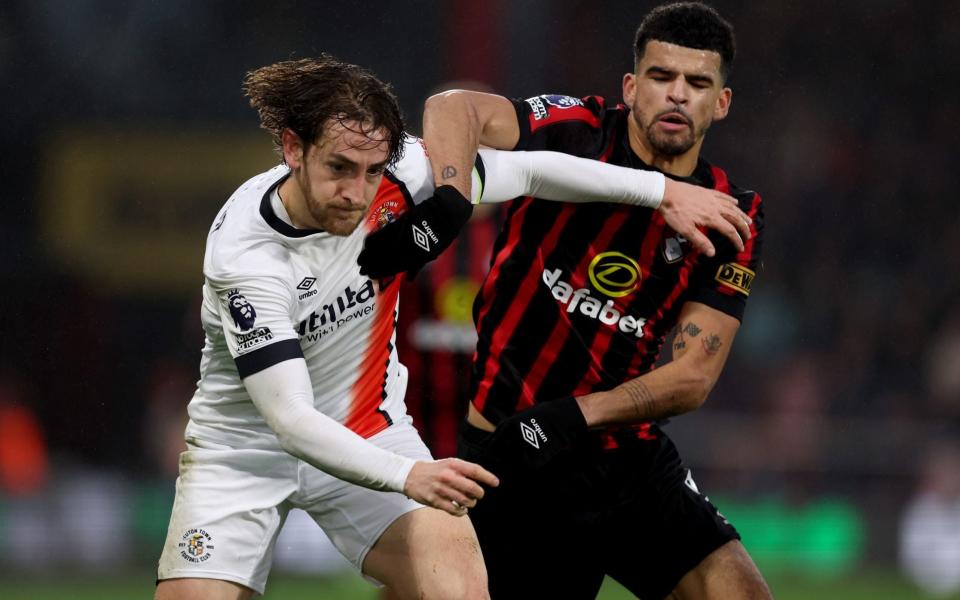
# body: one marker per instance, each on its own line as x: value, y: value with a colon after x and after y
x: 385, y: 214
x: 196, y: 545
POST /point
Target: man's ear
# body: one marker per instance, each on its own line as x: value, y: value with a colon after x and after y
x: 723, y: 104
x: 629, y: 89
x: 293, y: 148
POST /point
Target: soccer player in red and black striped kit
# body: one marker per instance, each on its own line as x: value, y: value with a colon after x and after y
x: 572, y: 318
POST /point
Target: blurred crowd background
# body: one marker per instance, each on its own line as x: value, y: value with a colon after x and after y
x: 833, y: 437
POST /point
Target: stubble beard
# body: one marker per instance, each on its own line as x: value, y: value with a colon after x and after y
x: 334, y: 222
x: 673, y: 144
x: 669, y: 145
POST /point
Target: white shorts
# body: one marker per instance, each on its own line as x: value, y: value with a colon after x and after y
x: 231, y: 503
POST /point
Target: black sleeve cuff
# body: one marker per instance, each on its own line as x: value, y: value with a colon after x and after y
x: 258, y: 360
x: 732, y: 305
x: 523, y: 122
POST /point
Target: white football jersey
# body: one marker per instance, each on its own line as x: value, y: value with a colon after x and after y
x: 273, y: 292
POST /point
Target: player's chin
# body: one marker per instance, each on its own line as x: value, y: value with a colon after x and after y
x: 344, y: 224
x: 672, y: 144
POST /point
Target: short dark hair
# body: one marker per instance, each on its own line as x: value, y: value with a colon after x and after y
x: 691, y: 25
x: 306, y: 94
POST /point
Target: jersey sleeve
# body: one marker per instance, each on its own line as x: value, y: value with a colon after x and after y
x: 256, y: 317
x: 724, y: 281
x: 413, y: 176
x: 413, y: 170
x: 561, y: 123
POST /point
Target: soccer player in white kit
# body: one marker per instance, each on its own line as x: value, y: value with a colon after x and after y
x: 300, y: 401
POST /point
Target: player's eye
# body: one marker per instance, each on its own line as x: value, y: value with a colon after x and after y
x: 338, y: 168
x: 375, y: 171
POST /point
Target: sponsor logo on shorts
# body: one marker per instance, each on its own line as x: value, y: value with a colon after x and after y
x: 532, y: 433
x: 736, y: 277
x: 690, y: 483
x: 245, y: 341
x: 196, y: 545
x: 241, y: 310
x: 581, y: 300
x: 614, y: 274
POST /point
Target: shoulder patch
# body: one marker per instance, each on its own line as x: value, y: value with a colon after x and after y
x: 241, y: 310
x: 554, y: 108
x: 736, y: 277
x: 562, y: 101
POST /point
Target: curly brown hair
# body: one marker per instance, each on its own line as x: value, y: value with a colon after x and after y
x: 306, y: 95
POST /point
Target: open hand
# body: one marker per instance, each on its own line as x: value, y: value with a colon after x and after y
x: 451, y: 485
x: 688, y: 207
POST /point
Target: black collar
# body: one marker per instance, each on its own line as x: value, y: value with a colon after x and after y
x: 278, y: 224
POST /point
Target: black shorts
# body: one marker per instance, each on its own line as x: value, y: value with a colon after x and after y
x: 630, y: 512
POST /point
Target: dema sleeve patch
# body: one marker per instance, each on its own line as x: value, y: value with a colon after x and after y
x: 736, y: 277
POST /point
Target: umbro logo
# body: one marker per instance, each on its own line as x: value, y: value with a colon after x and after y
x: 532, y: 435
x: 690, y: 483
x: 529, y: 435
x: 422, y: 237
x: 306, y: 286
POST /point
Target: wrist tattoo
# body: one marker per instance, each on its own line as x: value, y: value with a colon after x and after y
x: 448, y: 172
x: 641, y: 397
x: 692, y: 329
x: 712, y: 343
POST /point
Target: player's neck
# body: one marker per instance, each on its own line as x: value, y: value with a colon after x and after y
x: 295, y: 203
x: 681, y: 165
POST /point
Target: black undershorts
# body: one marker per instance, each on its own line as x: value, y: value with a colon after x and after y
x: 631, y: 513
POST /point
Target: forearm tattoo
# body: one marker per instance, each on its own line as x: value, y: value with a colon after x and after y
x: 712, y: 343
x: 690, y: 329
x: 448, y: 172
x: 641, y: 397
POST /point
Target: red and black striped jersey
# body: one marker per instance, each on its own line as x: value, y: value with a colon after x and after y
x: 580, y: 297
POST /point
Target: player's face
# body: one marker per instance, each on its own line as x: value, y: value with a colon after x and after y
x: 674, y: 95
x: 340, y: 174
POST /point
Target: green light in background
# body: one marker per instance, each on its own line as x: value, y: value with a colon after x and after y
x: 824, y: 537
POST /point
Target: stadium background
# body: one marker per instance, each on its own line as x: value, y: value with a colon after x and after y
x: 124, y: 129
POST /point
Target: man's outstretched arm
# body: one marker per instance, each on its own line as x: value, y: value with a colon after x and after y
x: 547, y: 175
x: 457, y: 122
x: 284, y: 396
